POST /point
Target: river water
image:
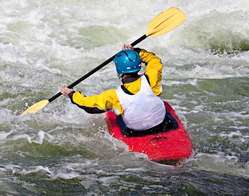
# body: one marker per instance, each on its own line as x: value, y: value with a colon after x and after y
x: 64, y: 151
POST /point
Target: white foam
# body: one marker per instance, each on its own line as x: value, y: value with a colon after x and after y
x: 66, y: 176
x: 220, y: 163
x: 36, y: 169
x: 41, y: 137
x: 6, y: 116
x: 4, y: 135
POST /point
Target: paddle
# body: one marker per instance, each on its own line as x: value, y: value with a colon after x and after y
x: 162, y: 23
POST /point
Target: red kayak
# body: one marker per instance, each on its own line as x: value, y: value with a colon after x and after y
x: 167, y: 146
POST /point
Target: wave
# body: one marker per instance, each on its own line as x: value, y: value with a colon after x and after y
x: 218, y: 32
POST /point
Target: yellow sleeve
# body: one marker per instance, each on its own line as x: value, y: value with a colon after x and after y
x: 104, y: 101
x: 153, y: 70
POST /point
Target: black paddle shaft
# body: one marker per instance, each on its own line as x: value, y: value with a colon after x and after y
x: 95, y: 69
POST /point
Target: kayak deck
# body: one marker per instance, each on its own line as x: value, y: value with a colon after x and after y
x: 170, y: 145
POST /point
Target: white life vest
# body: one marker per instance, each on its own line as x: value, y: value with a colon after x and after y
x: 143, y: 110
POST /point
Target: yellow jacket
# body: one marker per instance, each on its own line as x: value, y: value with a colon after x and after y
x: 108, y: 100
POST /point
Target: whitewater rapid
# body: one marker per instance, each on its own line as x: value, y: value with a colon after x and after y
x: 47, y: 43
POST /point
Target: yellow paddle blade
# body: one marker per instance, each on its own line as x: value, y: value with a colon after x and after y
x: 165, y: 22
x: 36, y: 107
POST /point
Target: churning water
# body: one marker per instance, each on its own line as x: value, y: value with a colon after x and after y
x: 64, y: 151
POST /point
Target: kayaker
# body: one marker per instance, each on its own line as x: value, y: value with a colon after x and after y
x: 136, y: 100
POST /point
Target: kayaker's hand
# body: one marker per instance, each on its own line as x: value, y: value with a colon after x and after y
x: 66, y: 91
x: 127, y: 47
